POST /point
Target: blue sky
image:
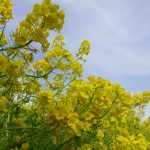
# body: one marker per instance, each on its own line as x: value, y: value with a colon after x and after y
x: 119, y: 32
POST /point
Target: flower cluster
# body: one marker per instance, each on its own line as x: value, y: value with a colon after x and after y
x: 5, y: 11
x: 46, y: 104
x: 36, y: 26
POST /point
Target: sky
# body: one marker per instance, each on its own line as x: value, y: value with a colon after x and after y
x: 119, y: 32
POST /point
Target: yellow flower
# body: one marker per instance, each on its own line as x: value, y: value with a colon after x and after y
x: 100, y: 134
x: 25, y: 146
x: 18, y: 138
x: 19, y: 122
x: 5, y: 11
x: 54, y: 140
